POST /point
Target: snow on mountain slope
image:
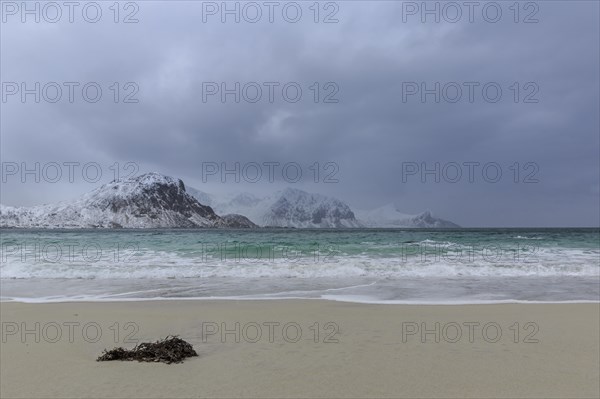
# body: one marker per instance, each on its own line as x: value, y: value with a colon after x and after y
x: 201, y: 196
x: 296, y: 208
x: 151, y: 200
x: 290, y: 208
x: 389, y: 216
x: 156, y: 201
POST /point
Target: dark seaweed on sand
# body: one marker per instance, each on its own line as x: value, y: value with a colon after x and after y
x: 170, y: 350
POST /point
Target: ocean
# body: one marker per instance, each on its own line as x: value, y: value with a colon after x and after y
x: 437, y: 266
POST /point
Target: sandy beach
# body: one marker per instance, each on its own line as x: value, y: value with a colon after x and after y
x: 303, y: 348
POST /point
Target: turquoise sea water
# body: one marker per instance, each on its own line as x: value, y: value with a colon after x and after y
x: 370, y: 265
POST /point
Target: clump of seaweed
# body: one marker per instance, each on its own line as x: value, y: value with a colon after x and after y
x: 172, y: 349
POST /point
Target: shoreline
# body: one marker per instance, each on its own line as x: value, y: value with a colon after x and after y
x: 344, y: 349
x: 359, y: 302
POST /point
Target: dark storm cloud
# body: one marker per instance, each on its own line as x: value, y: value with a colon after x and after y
x: 370, y: 55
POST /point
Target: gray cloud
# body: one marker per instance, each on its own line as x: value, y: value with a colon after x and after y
x: 369, y: 133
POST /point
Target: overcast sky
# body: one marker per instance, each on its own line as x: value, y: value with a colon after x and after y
x: 370, y: 143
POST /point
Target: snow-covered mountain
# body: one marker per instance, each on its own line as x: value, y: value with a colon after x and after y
x: 390, y: 216
x: 151, y: 200
x: 296, y: 208
x: 287, y: 208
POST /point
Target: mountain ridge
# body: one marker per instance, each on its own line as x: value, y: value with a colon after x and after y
x: 150, y: 200
x: 153, y: 200
x: 292, y: 207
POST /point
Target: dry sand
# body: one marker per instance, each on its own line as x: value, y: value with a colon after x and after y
x: 370, y: 358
